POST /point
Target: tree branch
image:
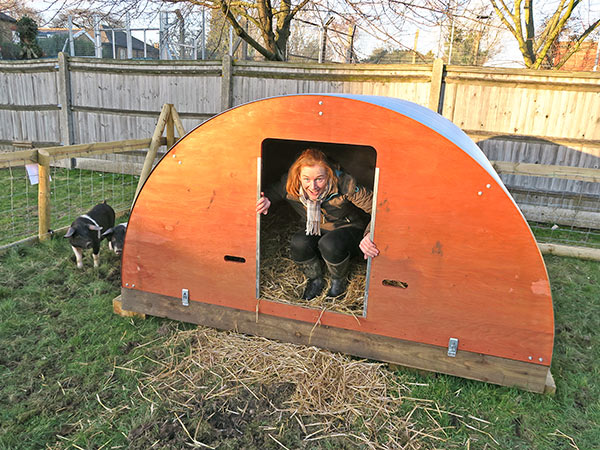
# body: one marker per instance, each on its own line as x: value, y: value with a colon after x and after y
x: 553, y: 34
x: 550, y: 25
x: 242, y: 33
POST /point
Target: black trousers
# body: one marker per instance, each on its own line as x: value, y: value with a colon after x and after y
x: 334, y: 246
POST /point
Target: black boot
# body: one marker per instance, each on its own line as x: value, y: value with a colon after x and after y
x: 316, y: 283
x: 339, y: 280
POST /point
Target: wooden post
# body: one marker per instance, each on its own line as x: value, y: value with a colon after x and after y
x: 154, y: 144
x: 64, y: 97
x: 436, y: 89
x: 170, y: 128
x: 43, y: 195
x: 414, y: 56
x: 226, y: 83
x: 592, y: 254
x: 177, y: 122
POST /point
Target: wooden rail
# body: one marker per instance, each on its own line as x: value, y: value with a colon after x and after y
x: 23, y: 157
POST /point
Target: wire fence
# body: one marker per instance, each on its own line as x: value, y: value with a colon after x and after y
x: 72, y: 192
x: 564, y: 211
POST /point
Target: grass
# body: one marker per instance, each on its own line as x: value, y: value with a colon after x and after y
x: 74, y: 375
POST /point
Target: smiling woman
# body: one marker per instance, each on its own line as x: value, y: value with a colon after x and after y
x: 336, y: 211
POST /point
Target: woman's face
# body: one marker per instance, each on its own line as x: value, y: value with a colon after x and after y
x: 314, y: 180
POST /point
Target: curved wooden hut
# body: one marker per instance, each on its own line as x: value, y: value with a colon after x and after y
x: 459, y: 286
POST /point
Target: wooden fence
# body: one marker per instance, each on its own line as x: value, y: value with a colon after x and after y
x: 515, y: 115
x: 74, y: 100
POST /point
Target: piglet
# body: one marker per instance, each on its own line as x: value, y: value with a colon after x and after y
x: 86, y: 231
x: 116, y: 237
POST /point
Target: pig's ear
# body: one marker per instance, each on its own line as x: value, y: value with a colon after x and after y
x: 107, y: 232
x: 70, y: 232
x: 94, y: 228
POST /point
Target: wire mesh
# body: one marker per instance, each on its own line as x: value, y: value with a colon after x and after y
x: 18, y: 205
x: 559, y: 211
x: 73, y: 191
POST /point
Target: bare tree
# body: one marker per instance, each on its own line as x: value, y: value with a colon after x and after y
x: 519, y: 16
x: 18, y: 8
x: 272, y: 20
x: 84, y: 18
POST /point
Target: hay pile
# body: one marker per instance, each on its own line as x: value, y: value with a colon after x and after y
x: 280, y: 278
x: 326, y: 395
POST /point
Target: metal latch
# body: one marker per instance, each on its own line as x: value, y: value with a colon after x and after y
x: 185, y: 297
x: 452, y: 347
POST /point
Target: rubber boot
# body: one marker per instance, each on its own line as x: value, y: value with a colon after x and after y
x: 316, y: 283
x: 339, y: 280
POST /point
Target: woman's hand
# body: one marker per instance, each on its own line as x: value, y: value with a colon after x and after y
x: 263, y: 204
x: 368, y: 247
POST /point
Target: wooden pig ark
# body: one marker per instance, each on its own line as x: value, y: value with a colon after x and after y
x: 459, y: 286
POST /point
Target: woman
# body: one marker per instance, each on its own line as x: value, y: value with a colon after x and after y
x: 336, y: 211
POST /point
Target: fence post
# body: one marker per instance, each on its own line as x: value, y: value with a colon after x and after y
x: 227, y: 83
x: 154, y: 144
x: 170, y: 128
x: 64, y: 97
x: 436, y: 91
x: 43, y: 195
x: 177, y: 122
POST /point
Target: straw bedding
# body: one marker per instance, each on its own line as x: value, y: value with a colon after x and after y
x: 280, y: 278
x: 324, y: 395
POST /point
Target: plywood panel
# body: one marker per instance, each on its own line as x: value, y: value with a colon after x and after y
x: 438, y: 229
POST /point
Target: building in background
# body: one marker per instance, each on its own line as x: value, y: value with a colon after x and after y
x: 54, y: 40
x: 584, y: 59
x: 8, y: 26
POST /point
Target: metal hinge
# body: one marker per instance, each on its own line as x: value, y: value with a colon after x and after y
x: 452, y: 347
x: 185, y: 297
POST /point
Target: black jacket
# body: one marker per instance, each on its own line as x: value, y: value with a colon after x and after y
x: 349, y: 207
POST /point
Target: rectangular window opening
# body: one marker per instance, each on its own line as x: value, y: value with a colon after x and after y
x: 282, y: 280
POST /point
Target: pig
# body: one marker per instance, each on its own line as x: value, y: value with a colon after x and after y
x: 86, y: 231
x: 116, y: 237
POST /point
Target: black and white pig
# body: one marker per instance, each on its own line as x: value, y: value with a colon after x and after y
x: 116, y: 237
x: 86, y: 231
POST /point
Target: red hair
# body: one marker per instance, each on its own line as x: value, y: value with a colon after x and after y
x: 309, y: 157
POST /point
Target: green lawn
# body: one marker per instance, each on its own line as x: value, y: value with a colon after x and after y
x: 75, y: 375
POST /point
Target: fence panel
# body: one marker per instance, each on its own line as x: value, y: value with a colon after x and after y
x: 29, y: 102
x: 127, y: 96
x: 253, y: 81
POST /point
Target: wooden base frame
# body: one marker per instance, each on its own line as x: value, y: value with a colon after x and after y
x: 491, y: 369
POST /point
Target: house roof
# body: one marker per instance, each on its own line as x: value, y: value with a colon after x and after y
x: 121, y: 40
x: 6, y: 18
